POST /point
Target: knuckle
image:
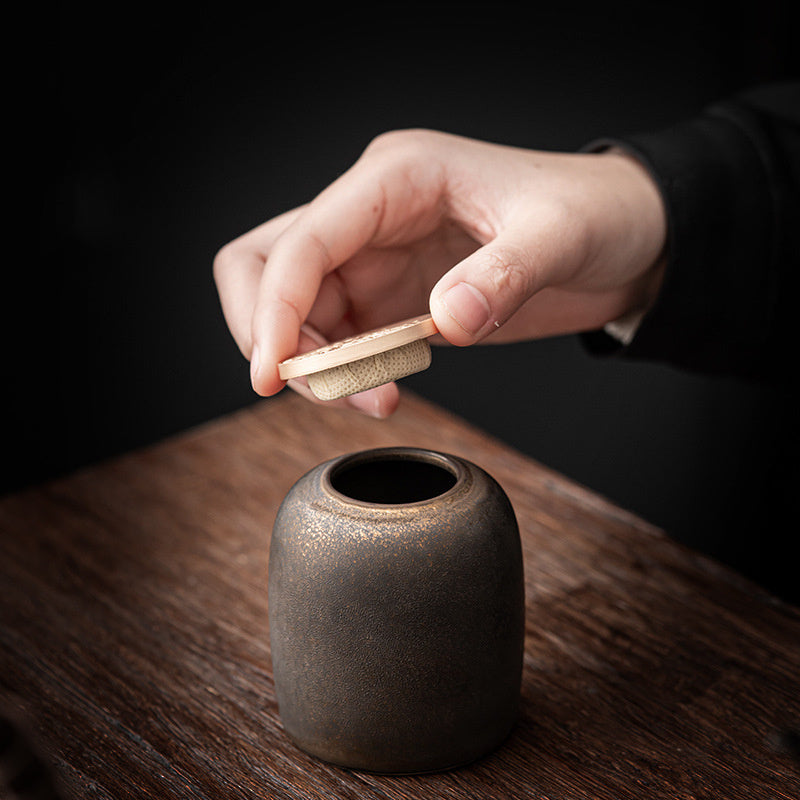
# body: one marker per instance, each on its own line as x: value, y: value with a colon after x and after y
x: 405, y: 143
x: 223, y: 262
x: 508, y: 271
x: 316, y: 243
x: 383, y: 141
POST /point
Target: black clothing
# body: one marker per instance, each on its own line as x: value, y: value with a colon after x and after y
x: 730, y: 180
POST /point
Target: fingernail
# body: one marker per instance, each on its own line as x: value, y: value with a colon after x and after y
x: 467, y: 307
x: 254, y: 364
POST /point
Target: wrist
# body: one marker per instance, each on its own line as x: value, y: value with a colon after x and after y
x: 640, y: 238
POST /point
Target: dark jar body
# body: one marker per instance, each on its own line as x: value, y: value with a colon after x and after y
x: 396, y: 610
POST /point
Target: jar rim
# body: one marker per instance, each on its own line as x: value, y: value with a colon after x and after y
x: 357, y: 477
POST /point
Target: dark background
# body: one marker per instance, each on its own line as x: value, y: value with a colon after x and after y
x: 152, y: 138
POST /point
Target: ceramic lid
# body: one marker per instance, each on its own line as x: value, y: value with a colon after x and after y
x: 357, y: 347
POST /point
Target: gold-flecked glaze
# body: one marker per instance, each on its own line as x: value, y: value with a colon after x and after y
x: 397, y: 627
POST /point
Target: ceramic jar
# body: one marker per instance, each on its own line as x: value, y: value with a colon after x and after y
x: 396, y: 611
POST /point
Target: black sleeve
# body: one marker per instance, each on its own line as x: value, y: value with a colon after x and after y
x: 730, y: 180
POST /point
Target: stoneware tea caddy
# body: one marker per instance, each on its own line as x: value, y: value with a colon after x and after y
x: 396, y: 611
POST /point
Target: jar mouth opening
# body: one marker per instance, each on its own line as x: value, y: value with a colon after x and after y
x: 394, y: 476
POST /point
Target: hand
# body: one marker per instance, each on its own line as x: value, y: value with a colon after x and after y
x: 496, y: 241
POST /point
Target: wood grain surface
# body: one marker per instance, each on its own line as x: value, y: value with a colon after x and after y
x: 134, y: 648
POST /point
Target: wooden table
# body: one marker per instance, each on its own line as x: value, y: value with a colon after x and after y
x: 134, y: 645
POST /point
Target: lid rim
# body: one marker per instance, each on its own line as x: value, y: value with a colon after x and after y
x: 358, y: 347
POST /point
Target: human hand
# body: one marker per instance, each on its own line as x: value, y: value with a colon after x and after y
x: 496, y: 241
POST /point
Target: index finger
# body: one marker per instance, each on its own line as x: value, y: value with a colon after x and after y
x: 237, y: 273
x: 338, y: 223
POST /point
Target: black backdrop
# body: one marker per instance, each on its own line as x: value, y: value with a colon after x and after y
x: 155, y: 137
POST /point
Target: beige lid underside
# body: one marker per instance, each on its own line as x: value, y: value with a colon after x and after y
x: 357, y: 347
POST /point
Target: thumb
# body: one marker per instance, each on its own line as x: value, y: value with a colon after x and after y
x: 481, y: 292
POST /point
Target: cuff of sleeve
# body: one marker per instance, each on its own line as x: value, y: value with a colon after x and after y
x: 625, y: 328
